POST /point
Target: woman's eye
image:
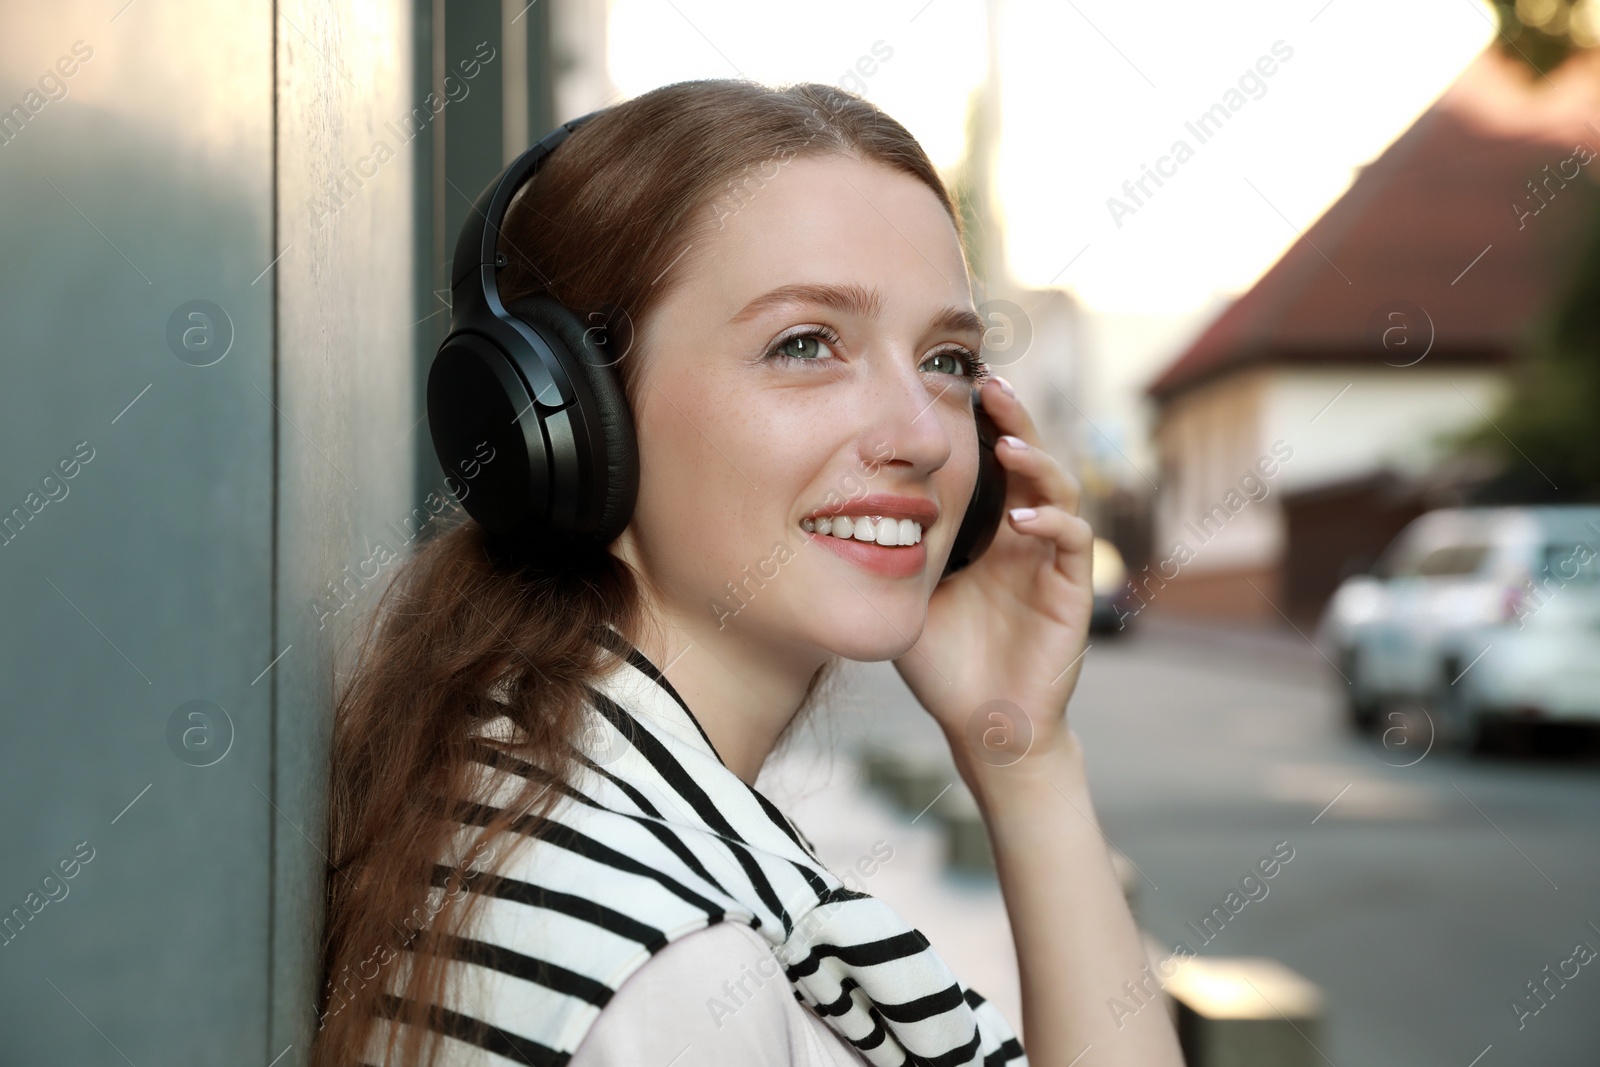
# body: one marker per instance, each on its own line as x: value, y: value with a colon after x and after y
x: 955, y: 361
x: 807, y: 347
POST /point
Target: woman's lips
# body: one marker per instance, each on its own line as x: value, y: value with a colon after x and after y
x: 899, y: 562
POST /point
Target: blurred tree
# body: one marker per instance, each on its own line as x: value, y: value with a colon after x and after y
x: 1545, y: 437
x: 1546, y: 434
x: 969, y: 189
x: 1542, y: 33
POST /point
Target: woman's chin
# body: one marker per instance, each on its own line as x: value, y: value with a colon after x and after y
x: 875, y: 639
x: 856, y: 616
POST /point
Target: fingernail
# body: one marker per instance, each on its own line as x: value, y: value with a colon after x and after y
x: 1002, y: 383
x: 1014, y: 442
x: 1023, y: 514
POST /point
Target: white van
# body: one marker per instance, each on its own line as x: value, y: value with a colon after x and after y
x: 1481, y: 616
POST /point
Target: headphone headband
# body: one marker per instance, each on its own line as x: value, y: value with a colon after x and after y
x: 477, y: 246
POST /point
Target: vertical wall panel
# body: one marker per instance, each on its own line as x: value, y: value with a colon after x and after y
x: 349, y: 125
x: 135, y: 181
x: 468, y: 55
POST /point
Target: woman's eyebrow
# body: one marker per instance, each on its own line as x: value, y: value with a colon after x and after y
x: 851, y: 297
x: 855, y: 299
x: 959, y: 320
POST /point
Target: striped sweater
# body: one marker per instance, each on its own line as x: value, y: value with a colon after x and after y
x: 656, y: 840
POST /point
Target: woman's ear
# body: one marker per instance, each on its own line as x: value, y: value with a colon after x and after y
x: 611, y: 329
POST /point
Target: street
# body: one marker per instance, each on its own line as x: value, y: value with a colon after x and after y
x: 1426, y: 888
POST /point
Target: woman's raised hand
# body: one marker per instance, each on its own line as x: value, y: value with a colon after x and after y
x: 1004, y: 641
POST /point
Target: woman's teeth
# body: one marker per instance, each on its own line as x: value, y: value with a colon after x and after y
x: 887, y: 532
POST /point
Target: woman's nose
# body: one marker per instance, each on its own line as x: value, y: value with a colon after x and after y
x: 906, y: 416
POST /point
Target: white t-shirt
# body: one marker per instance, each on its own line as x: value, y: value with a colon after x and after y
x: 711, y: 998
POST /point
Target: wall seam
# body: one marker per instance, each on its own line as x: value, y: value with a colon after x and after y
x: 272, y: 563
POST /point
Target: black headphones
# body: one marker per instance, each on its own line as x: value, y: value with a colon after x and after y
x: 530, y: 382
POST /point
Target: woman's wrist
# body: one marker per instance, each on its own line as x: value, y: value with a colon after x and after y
x: 1020, y: 791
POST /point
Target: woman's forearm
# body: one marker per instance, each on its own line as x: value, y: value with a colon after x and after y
x: 1076, y: 939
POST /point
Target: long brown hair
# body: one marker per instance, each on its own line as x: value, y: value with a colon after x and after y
x: 608, y: 227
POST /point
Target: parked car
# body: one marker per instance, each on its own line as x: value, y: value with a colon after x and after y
x: 1114, y: 602
x: 1481, y: 616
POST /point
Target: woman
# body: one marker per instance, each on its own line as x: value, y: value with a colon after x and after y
x: 539, y: 852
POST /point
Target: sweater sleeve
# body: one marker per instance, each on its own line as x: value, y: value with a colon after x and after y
x: 713, y: 997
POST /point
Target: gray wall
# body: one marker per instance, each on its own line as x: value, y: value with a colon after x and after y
x: 233, y: 459
x: 346, y: 391
x: 149, y: 583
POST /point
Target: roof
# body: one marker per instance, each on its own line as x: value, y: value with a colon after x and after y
x: 1428, y: 225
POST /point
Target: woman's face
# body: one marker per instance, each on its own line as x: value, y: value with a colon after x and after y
x: 852, y: 271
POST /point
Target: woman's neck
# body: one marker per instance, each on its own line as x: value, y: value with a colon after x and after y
x: 743, y: 691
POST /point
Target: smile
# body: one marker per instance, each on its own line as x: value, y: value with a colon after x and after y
x: 881, y: 530
x: 873, y: 543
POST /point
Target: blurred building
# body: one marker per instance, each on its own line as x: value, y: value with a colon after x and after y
x: 1034, y: 337
x: 1310, y: 420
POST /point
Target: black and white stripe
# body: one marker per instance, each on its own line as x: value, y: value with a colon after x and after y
x: 657, y: 840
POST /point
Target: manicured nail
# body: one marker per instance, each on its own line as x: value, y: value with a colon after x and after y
x: 1014, y: 442
x: 1002, y: 383
x: 1022, y: 514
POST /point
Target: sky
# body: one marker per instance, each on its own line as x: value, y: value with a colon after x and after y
x: 1095, y: 94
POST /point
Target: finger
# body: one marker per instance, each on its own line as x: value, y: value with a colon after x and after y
x: 1054, y: 483
x: 1071, y: 534
x: 1008, y: 412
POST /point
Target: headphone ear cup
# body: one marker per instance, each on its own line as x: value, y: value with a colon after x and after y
x: 984, y: 512
x: 613, y: 480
